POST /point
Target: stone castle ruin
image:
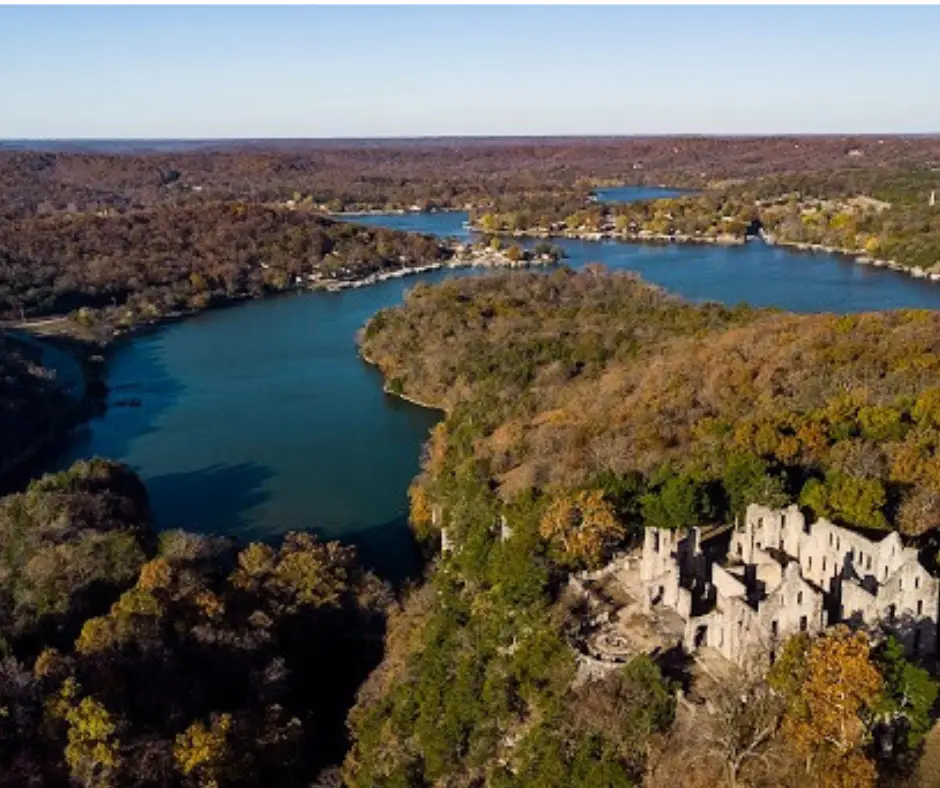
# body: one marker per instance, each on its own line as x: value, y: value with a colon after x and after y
x: 744, y: 589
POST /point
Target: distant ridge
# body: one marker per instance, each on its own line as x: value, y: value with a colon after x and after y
x: 124, y: 146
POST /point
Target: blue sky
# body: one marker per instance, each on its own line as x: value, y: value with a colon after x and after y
x: 321, y: 71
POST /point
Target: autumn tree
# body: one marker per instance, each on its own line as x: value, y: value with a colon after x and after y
x: 92, y: 751
x: 203, y: 753
x: 304, y: 571
x: 582, y: 526
x: 831, y: 692
x: 421, y: 510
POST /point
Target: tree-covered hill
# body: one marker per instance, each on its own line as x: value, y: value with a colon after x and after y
x: 556, y: 380
x: 124, y: 269
x: 131, y: 658
x: 580, y: 408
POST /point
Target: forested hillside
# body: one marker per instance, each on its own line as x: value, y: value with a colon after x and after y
x: 127, y: 268
x: 443, y: 173
x: 581, y: 407
x: 574, y: 375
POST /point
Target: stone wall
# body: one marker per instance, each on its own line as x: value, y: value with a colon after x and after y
x: 786, y: 575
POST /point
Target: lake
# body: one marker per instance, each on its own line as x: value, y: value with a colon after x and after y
x: 637, y: 193
x: 261, y: 418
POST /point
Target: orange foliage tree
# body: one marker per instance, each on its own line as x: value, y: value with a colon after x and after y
x: 832, y: 685
x: 582, y: 526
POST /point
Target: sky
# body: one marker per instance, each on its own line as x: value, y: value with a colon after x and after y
x: 380, y: 71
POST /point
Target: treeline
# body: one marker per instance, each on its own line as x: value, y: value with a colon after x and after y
x: 132, y: 658
x: 581, y: 407
x: 32, y: 408
x: 120, y: 270
x: 432, y: 173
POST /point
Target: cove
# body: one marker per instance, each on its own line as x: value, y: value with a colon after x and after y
x: 261, y: 418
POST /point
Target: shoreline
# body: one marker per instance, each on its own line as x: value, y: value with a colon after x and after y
x: 856, y: 256
x: 476, y: 259
x: 80, y: 394
x: 463, y: 258
x: 340, y: 215
x: 398, y: 394
x: 859, y: 257
x: 621, y: 236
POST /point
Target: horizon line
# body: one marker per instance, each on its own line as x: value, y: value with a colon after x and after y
x: 549, y: 136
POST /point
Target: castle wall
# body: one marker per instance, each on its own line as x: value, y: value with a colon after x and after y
x: 789, y: 570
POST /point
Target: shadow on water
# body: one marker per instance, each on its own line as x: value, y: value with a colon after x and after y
x: 215, y: 499
x: 135, y: 373
x: 388, y: 549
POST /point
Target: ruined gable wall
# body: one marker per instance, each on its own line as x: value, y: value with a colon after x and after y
x: 795, y: 606
x: 659, y: 568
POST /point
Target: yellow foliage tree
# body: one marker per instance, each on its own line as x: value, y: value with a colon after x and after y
x: 583, y: 526
x: 137, y: 601
x: 420, y: 510
x: 136, y: 613
x: 155, y: 574
x: 308, y: 577
x: 48, y: 663
x: 92, y: 751
x: 831, y: 691
x: 210, y: 605
x: 304, y: 571
x: 98, y: 634
x: 255, y: 563
x: 926, y: 410
x: 437, y: 450
x: 202, y: 753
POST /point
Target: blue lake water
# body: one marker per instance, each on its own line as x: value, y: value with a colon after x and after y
x: 636, y: 193
x: 261, y: 418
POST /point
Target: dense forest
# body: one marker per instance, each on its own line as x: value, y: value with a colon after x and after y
x: 132, y: 658
x: 383, y: 174
x: 118, y: 270
x: 582, y: 406
x: 574, y: 375
x: 115, y: 240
